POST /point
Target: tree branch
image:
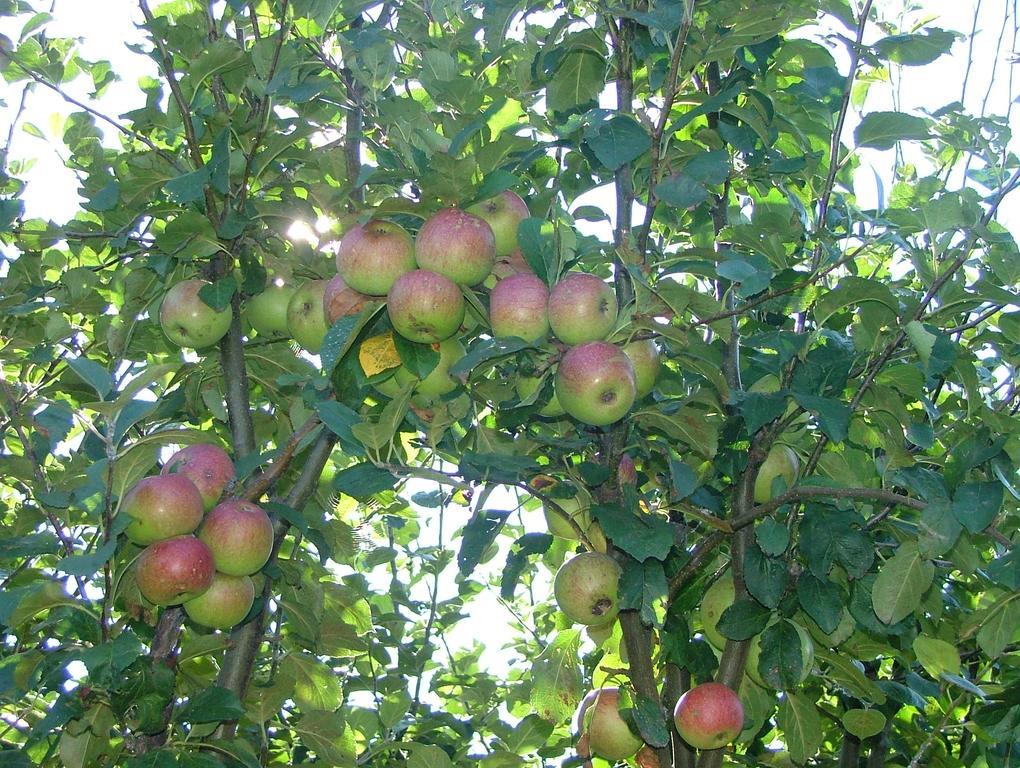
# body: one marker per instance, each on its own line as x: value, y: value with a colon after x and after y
x: 844, y: 107
x: 800, y: 493
x: 235, y: 672
x: 254, y: 490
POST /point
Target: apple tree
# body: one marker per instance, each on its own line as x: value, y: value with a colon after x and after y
x: 711, y: 410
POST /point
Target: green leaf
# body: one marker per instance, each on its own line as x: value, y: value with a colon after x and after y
x: 833, y: 415
x: 689, y: 187
x: 363, y: 481
x: 642, y: 585
x: 801, y: 726
x: 93, y: 374
x: 685, y: 480
x: 535, y: 238
x: 528, y: 545
x: 939, y: 528
x: 316, y: 686
x: 212, y: 705
x: 772, y: 536
x: 936, y: 656
x: 529, y: 735
x: 218, y: 295
x: 743, y: 619
x: 999, y: 625
x: 853, y: 292
x: 902, y: 581
x: 766, y: 577
x: 821, y: 601
x: 863, y: 723
x: 976, y: 505
x: 781, y: 661
x: 914, y: 50
x: 648, y: 716
x: 618, y: 141
x: 556, y: 684
x: 419, y: 359
x: 188, y: 187
x: 639, y: 535
x: 329, y: 736
x: 427, y: 756
x: 83, y: 741
x: 578, y: 80
x: 844, y: 672
x: 480, y: 532
x: 485, y: 351
x: 882, y: 130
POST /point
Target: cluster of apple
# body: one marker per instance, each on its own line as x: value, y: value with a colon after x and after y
x: 708, y: 716
x: 422, y: 280
x: 210, y: 571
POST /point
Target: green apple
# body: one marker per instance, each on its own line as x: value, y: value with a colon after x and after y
x: 582, y: 307
x: 528, y: 385
x: 306, y: 315
x: 585, y: 588
x: 224, y: 604
x: 188, y: 321
x: 717, y: 599
x: 780, y: 462
x: 503, y: 213
x: 267, y: 311
x: 438, y: 382
x: 644, y: 356
x: 609, y: 736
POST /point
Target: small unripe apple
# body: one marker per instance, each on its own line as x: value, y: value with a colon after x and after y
x: 161, y: 507
x: 372, y: 256
x: 518, y: 306
x: 306, y: 315
x: 582, y: 307
x: 188, y: 321
x: 609, y: 736
x: 224, y: 604
x: 780, y: 462
x: 239, y: 535
x: 457, y: 245
x: 526, y: 386
x: 644, y: 355
x: 438, y: 382
x: 503, y: 213
x: 595, y: 383
x: 207, y: 466
x: 709, y: 716
x: 267, y: 311
x: 172, y: 571
x: 425, y: 307
x: 340, y: 300
x: 576, y: 508
x: 586, y: 587
x: 717, y: 599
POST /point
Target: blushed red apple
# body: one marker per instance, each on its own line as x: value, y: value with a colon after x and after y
x: 595, y: 383
x: 160, y: 507
x: 456, y: 244
x: 425, y: 306
x: 340, y: 300
x: 518, y: 306
x: 372, y: 255
x: 240, y: 536
x: 582, y: 307
x: 709, y: 716
x: 207, y: 466
x: 172, y: 571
